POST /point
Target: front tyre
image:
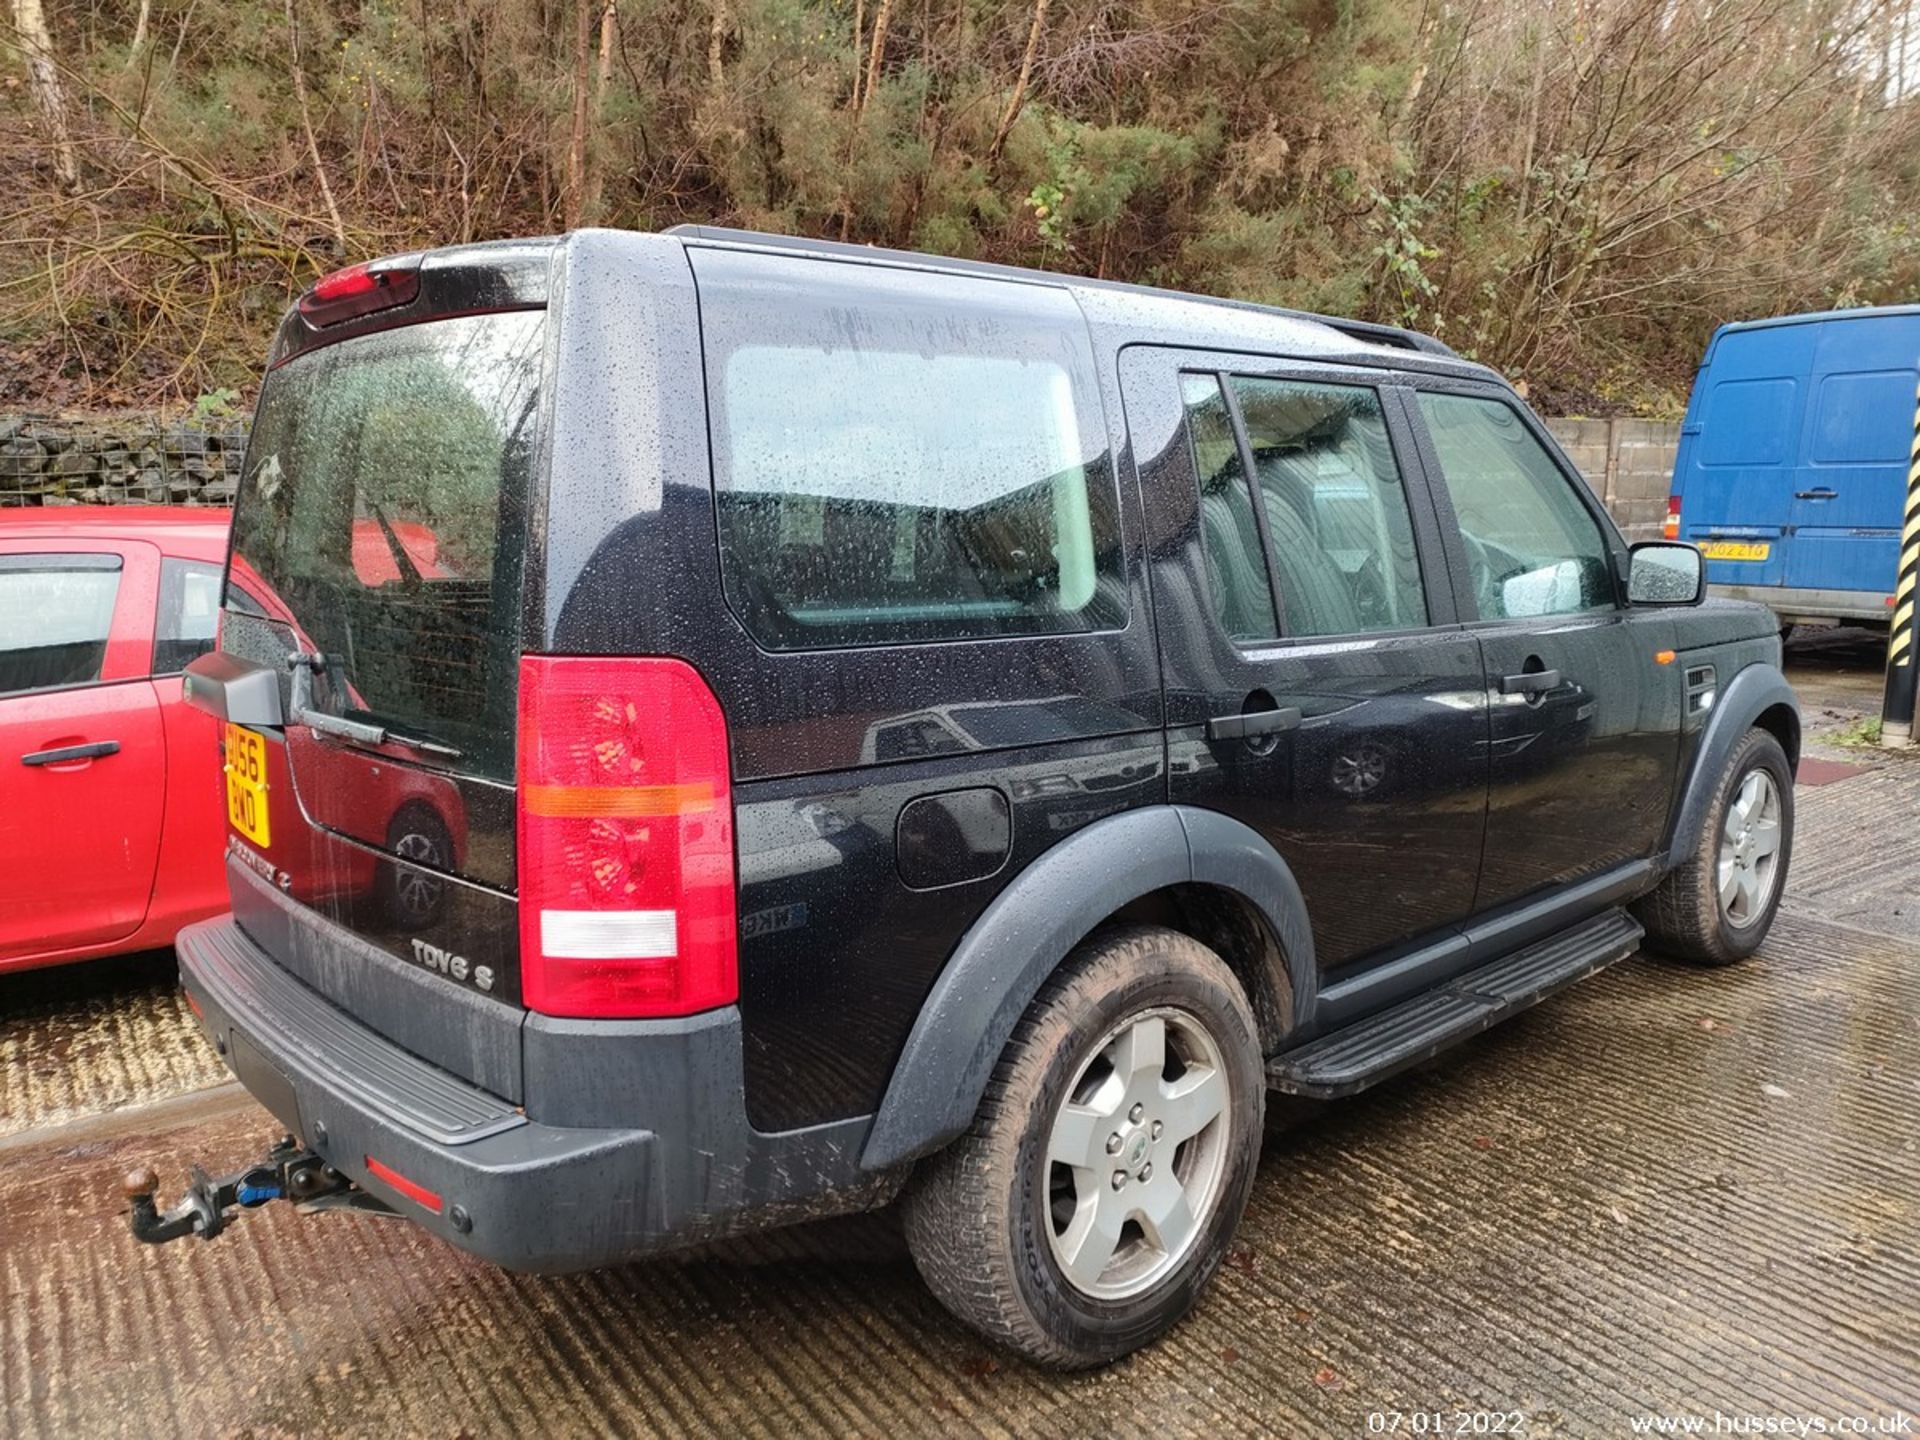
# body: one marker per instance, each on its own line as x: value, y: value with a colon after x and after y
x: 1718, y: 903
x: 1096, y: 1192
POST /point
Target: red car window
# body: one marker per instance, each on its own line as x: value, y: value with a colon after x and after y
x: 56, y: 614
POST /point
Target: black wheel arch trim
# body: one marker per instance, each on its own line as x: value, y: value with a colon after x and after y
x: 1751, y: 693
x: 1031, y: 926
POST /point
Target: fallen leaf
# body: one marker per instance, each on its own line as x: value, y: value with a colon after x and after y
x: 1619, y: 1215
x: 1329, y: 1377
x: 1483, y: 1142
x: 1229, y: 1355
x: 1776, y: 1092
x: 978, y: 1367
x: 1303, y: 1317
x: 1243, y: 1259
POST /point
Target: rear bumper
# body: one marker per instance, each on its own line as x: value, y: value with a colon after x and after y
x: 1793, y: 604
x: 481, y: 1173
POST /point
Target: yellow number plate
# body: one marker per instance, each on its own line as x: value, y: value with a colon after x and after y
x: 247, y: 783
x: 1736, y: 549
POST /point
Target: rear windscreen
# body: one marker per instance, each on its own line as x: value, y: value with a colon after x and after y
x: 383, y: 514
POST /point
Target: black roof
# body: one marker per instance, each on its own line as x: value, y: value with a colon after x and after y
x: 1362, y: 330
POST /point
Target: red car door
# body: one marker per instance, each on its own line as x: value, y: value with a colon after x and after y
x: 82, y: 752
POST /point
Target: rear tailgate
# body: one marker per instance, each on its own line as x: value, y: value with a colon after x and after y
x: 1735, y: 470
x: 382, y: 522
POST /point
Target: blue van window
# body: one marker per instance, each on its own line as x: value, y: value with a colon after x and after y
x: 1851, y: 426
x: 905, y: 457
x: 1748, y: 422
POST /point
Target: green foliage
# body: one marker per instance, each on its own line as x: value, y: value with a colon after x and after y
x: 1578, y: 203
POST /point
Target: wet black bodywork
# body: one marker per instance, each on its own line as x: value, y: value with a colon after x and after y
x: 890, y: 801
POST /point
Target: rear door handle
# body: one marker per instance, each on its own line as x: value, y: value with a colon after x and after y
x: 1260, y: 722
x: 65, y: 753
x: 1532, y: 682
x: 1823, y: 493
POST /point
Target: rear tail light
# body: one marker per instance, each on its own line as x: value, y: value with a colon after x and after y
x: 1671, y: 529
x: 625, y: 839
x: 361, y: 290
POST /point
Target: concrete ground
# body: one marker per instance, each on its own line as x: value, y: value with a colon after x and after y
x: 1668, y: 1192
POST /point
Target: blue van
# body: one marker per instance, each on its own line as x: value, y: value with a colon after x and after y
x: 1792, y: 467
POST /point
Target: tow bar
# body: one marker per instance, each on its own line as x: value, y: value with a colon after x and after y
x: 290, y: 1171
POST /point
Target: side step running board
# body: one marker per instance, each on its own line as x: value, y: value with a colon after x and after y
x: 1385, y: 1044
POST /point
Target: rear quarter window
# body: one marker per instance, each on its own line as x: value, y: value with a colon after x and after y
x: 904, y: 457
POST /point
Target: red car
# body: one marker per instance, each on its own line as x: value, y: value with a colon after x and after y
x: 111, y: 817
x: 112, y: 811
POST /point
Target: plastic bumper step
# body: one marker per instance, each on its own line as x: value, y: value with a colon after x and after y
x: 1369, y: 1051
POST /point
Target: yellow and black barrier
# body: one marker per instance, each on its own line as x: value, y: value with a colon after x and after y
x: 1896, y: 710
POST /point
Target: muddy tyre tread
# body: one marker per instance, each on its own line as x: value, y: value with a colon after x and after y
x: 959, y: 1209
x: 1682, y: 915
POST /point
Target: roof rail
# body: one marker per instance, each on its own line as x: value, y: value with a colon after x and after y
x: 1365, y: 331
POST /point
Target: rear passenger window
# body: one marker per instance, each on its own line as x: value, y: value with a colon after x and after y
x: 1236, y: 570
x: 902, y: 456
x: 1336, y: 512
x: 56, y: 612
x: 189, y: 610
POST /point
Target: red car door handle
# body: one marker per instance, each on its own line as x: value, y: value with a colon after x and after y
x: 66, y: 753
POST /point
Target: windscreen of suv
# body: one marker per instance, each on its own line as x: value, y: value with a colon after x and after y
x: 383, y: 512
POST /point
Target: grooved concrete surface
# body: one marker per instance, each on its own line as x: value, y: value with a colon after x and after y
x: 1667, y: 1191
x: 77, y: 1040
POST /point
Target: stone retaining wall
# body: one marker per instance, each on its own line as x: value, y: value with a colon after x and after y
x: 132, y: 461
x: 143, y: 461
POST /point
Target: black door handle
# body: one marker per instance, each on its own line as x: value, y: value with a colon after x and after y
x: 1260, y: 722
x: 1823, y: 493
x: 71, y: 752
x: 1531, y: 682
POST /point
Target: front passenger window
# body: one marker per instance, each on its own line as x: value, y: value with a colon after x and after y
x: 1533, y: 548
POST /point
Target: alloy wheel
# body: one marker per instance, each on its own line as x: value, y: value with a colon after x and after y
x: 1136, y: 1153
x: 1749, y: 864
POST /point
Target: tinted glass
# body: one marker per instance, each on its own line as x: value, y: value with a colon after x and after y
x: 904, y: 457
x: 1236, y: 574
x: 383, y: 506
x: 1336, y: 510
x: 55, y: 614
x: 189, y: 610
x: 1532, y: 547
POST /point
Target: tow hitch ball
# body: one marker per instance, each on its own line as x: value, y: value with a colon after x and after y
x: 289, y: 1172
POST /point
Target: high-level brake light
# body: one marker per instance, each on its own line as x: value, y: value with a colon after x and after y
x: 625, y: 852
x: 361, y: 290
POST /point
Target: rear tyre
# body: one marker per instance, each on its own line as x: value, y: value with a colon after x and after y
x: 1096, y: 1192
x: 1718, y: 904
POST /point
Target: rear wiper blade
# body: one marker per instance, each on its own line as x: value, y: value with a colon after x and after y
x: 358, y: 732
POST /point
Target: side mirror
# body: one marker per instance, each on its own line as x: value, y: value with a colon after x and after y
x: 1666, y: 572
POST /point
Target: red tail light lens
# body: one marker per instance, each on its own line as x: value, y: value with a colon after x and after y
x: 361, y: 290
x: 1671, y: 529
x: 625, y: 839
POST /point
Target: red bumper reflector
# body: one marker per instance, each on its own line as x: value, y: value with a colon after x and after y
x: 417, y: 1193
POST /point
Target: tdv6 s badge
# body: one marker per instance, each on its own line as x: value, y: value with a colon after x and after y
x: 448, y: 963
